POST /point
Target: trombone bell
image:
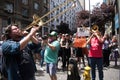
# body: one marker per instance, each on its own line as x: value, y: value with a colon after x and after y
x: 95, y: 28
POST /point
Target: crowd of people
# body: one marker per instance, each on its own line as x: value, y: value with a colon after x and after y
x: 20, y: 49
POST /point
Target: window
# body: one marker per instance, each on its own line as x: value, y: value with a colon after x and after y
x: 8, y: 7
x: 36, y: 6
x: 25, y: 12
x: 45, y: 1
x: 4, y: 24
x: 25, y: 2
x: 57, y: 20
x: 23, y: 25
x: 45, y: 30
x: 61, y: 17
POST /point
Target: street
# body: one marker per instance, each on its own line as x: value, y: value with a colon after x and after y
x: 110, y: 73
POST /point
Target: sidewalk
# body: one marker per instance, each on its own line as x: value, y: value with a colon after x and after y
x: 110, y: 73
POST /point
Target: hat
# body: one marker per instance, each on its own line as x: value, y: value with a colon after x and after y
x: 66, y: 34
x: 53, y: 33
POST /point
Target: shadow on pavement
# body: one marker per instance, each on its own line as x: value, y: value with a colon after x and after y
x: 115, y: 67
x: 39, y: 73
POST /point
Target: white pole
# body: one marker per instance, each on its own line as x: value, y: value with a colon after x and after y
x: 118, y: 2
x: 89, y: 15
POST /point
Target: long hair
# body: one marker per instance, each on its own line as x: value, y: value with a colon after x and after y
x: 8, y: 31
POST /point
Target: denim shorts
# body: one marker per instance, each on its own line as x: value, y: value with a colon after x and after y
x: 51, y: 68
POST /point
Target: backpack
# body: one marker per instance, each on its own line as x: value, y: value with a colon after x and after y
x: 72, y: 73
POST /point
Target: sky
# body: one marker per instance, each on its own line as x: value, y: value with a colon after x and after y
x: 92, y: 3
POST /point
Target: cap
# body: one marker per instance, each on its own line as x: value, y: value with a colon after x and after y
x: 53, y: 33
x: 66, y: 34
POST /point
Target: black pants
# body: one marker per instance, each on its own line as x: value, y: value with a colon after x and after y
x: 65, y: 57
x: 106, y: 61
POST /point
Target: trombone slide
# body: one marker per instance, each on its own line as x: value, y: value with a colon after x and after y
x: 38, y: 20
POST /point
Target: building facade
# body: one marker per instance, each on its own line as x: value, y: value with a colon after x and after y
x: 82, y: 3
x: 68, y: 17
x: 21, y: 11
x: 115, y: 24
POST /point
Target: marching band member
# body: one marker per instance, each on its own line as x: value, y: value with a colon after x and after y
x: 17, y: 53
x: 79, y: 43
x: 95, y: 54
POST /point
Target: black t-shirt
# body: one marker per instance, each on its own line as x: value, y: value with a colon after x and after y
x: 27, y: 64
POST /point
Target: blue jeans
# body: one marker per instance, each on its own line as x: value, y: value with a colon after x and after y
x: 42, y: 56
x: 96, y: 62
x: 51, y: 68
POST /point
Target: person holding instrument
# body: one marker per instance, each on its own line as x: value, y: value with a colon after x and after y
x: 95, y: 54
x: 51, y: 54
x: 17, y: 53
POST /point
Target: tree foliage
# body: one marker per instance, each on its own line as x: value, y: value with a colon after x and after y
x: 63, y: 28
x: 99, y: 16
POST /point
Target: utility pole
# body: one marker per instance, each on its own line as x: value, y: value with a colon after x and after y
x: 118, y: 2
x: 89, y: 15
x: 84, y: 5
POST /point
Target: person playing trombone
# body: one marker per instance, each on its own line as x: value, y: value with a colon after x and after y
x: 95, y: 54
x: 17, y: 53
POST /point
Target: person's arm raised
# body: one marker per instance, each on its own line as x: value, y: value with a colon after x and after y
x: 27, y: 38
x: 99, y: 36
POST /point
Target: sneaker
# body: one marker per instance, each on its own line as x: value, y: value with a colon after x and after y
x: 41, y: 69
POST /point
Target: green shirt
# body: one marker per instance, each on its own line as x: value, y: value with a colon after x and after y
x: 50, y: 55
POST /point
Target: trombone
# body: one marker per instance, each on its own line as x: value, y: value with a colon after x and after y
x: 93, y: 30
x: 38, y: 20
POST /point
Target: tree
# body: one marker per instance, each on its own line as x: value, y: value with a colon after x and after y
x: 99, y: 16
x: 63, y: 28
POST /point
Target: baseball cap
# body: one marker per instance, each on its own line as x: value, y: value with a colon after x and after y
x: 53, y: 33
x: 66, y: 34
